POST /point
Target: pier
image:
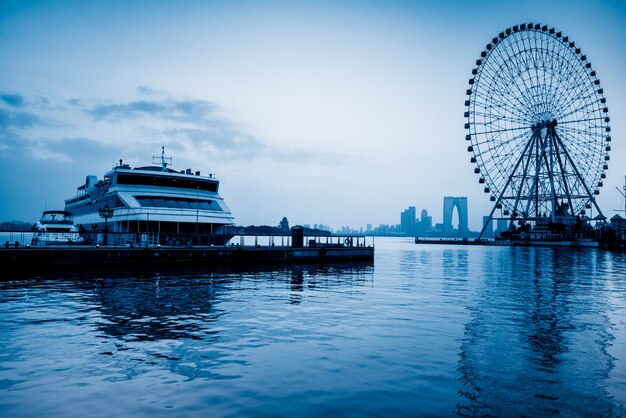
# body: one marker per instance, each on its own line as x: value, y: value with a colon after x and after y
x: 294, y: 248
x: 523, y: 241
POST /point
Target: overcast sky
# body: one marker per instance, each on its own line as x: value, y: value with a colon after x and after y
x: 342, y: 113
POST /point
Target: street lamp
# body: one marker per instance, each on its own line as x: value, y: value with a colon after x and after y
x: 106, y: 212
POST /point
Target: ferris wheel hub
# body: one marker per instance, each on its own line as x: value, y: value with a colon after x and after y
x: 544, y: 124
x: 537, y: 127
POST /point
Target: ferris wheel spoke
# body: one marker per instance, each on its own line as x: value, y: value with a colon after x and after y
x: 513, y: 74
x: 565, y: 86
x: 584, y: 109
x: 495, y: 146
x: 494, y: 154
x: 498, y: 95
x: 582, y: 154
x: 506, y: 98
x: 513, y: 71
x: 580, y: 106
x: 499, y: 118
x: 539, y: 81
x: 503, y: 130
x: 492, y: 158
x: 586, y: 131
x: 574, y: 86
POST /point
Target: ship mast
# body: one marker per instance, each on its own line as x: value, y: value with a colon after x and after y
x: 163, y: 158
x: 623, y: 193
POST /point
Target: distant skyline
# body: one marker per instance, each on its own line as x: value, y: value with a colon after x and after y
x: 343, y: 113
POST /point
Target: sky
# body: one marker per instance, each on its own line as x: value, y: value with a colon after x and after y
x: 333, y: 112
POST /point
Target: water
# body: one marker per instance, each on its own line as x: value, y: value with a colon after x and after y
x: 426, y: 330
x: 22, y: 237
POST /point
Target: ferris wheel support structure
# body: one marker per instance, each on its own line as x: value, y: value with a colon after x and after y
x: 551, y: 148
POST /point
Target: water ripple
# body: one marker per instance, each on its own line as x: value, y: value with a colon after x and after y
x: 427, y: 330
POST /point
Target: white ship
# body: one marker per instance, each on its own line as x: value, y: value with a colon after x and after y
x: 166, y: 205
x: 56, y: 227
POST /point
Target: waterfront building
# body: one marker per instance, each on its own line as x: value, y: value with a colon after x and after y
x: 619, y: 224
x: 407, y: 221
x: 460, y: 204
x: 501, y: 226
x: 426, y: 222
x: 411, y: 225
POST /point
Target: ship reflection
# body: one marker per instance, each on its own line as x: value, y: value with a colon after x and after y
x: 196, y: 322
x: 170, y: 303
x: 296, y: 285
x: 549, y: 354
x: 174, y: 303
x: 158, y: 307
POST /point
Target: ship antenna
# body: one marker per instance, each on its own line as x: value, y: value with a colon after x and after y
x: 623, y: 193
x: 163, y: 158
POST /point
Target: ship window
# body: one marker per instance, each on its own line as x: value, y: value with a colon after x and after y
x: 92, y: 206
x: 163, y: 181
x: 159, y: 203
x: 177, y: 203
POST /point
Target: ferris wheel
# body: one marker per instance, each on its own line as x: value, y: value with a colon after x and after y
x: 537, y: 126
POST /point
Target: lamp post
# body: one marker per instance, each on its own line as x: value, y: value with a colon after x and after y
x: 106, y: 212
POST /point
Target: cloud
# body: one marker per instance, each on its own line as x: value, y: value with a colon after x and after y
x: 190, y: 124
x: 64, y: 149
x: 14, y: 100
x: 151, y: 91
x: 223, y: 139
x: 10, y: 119
x: 231, y: 144
x: 167, y: 109
x: 194, y: 127
x: 75, y: 102
x: 81, y: 148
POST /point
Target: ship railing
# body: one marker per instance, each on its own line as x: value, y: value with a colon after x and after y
x: 153, y: 239
x: 287, y: 240
x: 15, y: 239
x: 441, y: 239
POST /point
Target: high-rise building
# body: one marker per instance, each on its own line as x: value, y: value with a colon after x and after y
x: 407, y: 221
x: 426, y: 222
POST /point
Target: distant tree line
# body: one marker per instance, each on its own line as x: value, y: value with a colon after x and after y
x: 275, y: 230
x: 16, y: 226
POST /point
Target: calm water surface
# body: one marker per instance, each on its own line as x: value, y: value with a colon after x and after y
x: 426, y: 330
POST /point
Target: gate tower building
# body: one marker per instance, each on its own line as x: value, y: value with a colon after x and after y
x: 460, y: 203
